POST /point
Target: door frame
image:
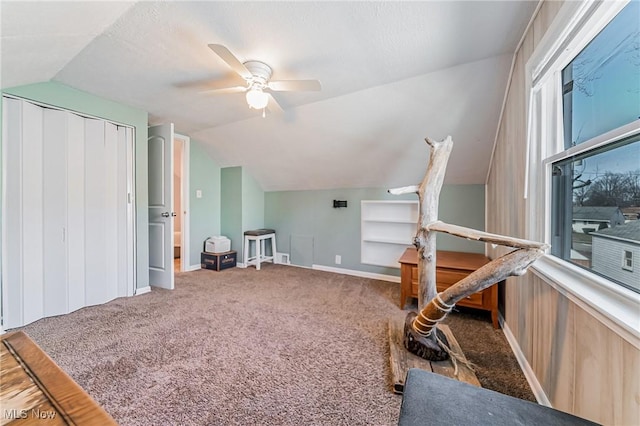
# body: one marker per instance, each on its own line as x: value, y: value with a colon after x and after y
x: 185, y: 262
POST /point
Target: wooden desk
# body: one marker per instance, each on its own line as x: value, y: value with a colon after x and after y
x: 451, y: 267
x: 34, y: 390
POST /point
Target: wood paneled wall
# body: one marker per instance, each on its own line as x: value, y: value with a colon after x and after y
x: 582, y: 366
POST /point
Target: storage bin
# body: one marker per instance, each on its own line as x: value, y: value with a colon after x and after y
x: 218, y: 261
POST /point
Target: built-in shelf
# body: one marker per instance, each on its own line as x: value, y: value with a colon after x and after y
x: 387, y: 229
x: 390, y: 221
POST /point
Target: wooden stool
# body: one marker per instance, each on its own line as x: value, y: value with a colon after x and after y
x: 259, y: 236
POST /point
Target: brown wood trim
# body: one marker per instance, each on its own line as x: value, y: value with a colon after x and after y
x: 68, y: 398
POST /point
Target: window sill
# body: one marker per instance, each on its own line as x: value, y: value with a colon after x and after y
x: 615, y: 306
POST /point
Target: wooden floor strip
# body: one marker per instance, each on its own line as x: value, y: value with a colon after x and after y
x: 402, y: 360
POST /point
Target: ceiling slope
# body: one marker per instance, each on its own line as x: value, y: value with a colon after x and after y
x: 373, y: 137
x: 392, y: 73
x: 40, y: 38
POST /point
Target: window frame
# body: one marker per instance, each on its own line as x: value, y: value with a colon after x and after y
x: 625, y: 266
x: 575, y: 25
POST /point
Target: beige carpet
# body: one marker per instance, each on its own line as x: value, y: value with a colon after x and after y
x: 282, y: 345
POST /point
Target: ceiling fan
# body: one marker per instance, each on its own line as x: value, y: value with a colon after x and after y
x: 258, y: 84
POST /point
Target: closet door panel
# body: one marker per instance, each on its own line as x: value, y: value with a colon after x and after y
x: 75, y: 212
x: 122, y: 209
x: 111, y: 203
x: 68, y: 221
x: 95, y: 213
x: 55, y: 212
x: 32, y: 213
x: 131, y: 211
x: 12, y: 213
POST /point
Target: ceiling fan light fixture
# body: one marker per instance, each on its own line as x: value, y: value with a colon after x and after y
x: 256, y: 98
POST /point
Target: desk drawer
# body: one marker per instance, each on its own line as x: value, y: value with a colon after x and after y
x: 473, y: 301
x: 414, y: 288
x: 414, y: 273
x: 448, y: 277
x: 445, y: 277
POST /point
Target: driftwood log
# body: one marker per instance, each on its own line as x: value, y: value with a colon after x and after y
x: 433, y: 307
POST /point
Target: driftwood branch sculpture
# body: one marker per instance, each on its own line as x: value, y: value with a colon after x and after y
x: 419, y: 335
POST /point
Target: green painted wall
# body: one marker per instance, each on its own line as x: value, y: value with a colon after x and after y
x: 252, y: 203
x: 66, y: 97
x: 242, y: 206
x: 231, y: 207
x: 252, y: 208
x: 337, y: 231
x: 205, y: 211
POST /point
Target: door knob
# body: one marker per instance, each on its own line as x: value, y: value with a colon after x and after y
x: 164, y: 214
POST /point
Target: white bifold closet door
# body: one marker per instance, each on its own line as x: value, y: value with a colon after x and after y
x: 67, y: 212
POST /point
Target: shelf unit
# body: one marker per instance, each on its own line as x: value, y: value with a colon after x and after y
x: 387, y: 229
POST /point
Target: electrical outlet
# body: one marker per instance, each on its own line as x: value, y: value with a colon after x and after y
x: 198, y: 193
x: 338, y: 259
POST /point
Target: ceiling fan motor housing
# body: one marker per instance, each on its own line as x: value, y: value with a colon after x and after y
x: 260, y: 73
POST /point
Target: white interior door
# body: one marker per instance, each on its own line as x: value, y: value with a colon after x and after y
x: 161, y: 212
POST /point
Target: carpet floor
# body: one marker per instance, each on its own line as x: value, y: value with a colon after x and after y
x: 279, y: 346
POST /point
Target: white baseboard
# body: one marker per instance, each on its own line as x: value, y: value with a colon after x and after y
x: 536, y: 388
x: 355, y: 273
x: 240, y: 265
x: 192, y: 268
x: 143, y: 290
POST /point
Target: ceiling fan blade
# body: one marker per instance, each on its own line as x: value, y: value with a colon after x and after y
x: 221, y: 90
x: 231, y: 60
x: 294, y: 85
x: 206, y: 85
x: 273, y: 106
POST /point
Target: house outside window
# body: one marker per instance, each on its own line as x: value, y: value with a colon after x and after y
x: 583, y: 177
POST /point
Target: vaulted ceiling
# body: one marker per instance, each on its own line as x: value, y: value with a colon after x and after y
x: 392, y: 73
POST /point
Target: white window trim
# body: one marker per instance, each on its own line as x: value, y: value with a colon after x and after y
x: 575, y: 25
x: 624, y: 260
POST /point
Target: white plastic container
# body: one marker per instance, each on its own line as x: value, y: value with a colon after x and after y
x: 218, y: 244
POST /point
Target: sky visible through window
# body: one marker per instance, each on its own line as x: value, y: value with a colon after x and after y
x: 601, y: 92
x: 606, y: 78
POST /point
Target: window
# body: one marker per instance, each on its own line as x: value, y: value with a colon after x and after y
x: 590, y: 193
x: 627, y: 260
x: 583, y: 158
x: 593, y: 187
x: 601, y: 85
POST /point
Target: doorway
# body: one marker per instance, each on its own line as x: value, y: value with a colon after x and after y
x: 181, y: 239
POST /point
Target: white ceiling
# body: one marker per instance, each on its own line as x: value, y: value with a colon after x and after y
x: 392, y: 73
